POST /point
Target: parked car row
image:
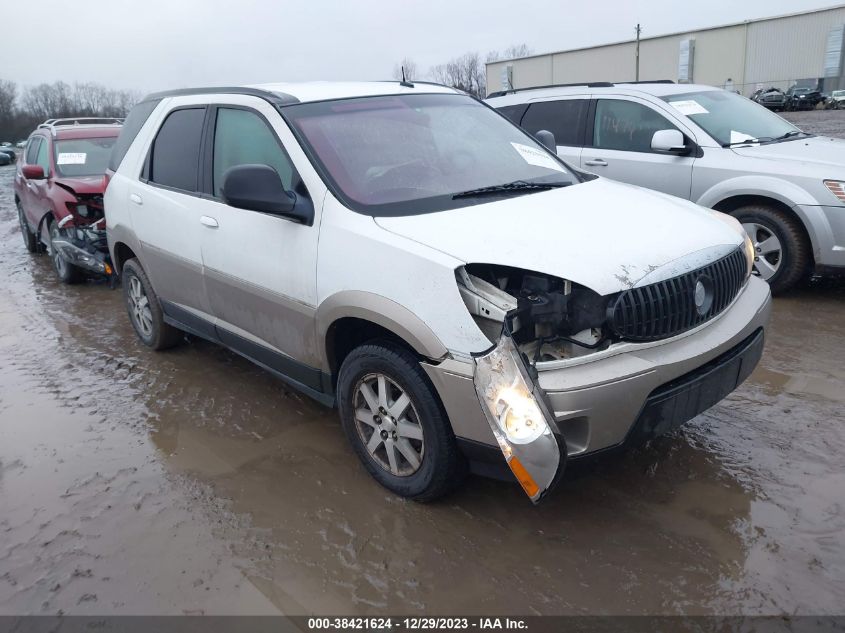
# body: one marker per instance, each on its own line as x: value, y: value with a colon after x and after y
x: 7, y: 156
x: 796, y: 98
x: 466, y: 298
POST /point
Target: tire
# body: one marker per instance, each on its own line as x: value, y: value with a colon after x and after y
x: 422, y: 425
x: 792, y: 262
x: 65, y: 271
x: 28, y: 236
x: 144, y: 309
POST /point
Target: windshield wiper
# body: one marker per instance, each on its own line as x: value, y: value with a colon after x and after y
x: 516, y: 186
x: 790, y: 134
x: 766, y: 139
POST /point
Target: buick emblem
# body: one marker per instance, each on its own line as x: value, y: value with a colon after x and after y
x: 702, y: 294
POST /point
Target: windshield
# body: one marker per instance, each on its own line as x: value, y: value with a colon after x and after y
x: 730, y: 118
x: 406, y: 154
x: 839, y: 93
x: 83, y: 156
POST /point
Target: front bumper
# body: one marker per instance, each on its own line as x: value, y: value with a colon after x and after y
x: 599, y: 400
x: 827, y: 224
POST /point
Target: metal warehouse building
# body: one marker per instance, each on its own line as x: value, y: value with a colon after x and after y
x: 803, y: 48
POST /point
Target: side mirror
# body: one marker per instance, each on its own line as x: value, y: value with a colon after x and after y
x: 259, y: 188
x: 33, y: 172
x: 669, y: 142
x: 548, y: 139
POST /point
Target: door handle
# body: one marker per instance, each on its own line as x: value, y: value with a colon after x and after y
x: 134, y: 197
x: 209, y: 221
x: 596, y: 162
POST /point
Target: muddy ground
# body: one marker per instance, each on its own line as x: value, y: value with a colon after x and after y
x: 192, y: 482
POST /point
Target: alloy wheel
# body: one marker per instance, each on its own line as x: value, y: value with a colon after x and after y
x: 768, y: 250
x: 139, y: 307
x: 388, y: 424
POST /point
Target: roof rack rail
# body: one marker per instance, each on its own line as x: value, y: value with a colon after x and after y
x: 82, y: 120
x: 585, y: 84
x: 649, y: 81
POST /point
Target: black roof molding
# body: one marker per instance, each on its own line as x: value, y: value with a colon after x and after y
x: 275, y: 98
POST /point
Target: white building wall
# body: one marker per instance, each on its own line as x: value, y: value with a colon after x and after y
x: 771, y: 51
x: 784, y: 50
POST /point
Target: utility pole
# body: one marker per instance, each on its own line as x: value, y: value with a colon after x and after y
x: 638, y: 53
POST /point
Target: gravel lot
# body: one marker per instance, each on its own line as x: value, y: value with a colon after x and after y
x: 192, y: 482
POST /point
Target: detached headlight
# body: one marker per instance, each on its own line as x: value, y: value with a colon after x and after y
x: 837, y: 188
x: 518, y: 417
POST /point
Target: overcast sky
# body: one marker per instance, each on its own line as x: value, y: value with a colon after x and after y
x: 155, y: 44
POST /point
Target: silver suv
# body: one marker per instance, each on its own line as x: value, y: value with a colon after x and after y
x: 405, y: 253
x: 710, y: 146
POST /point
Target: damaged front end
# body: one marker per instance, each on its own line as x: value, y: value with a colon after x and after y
x: 531, y: 318
x: 81, y: 235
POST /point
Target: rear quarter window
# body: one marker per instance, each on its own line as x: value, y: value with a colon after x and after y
x: 131, y: 126
x: 513, y: 112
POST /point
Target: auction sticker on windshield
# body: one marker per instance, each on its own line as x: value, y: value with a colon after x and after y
x: 536, y: 157
x: 71, y: 158
x: 689, y: 107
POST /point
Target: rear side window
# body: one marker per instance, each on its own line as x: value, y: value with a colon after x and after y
x: 513, y: 112
x: 242, y: 137
x: 131, y: 126
x: 32, y: 150
x: 174, y: 159
x: 565, y: 119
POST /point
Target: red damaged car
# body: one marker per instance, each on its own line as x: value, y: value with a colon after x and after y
x: 59, y: 187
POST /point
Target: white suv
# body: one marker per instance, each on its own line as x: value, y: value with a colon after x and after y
x: 713, y: 147
x: 406, y: 253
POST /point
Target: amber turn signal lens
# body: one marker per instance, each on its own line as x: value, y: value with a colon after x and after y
x: 109, y: 270
x: 525, y: 480
x: 837, y: 188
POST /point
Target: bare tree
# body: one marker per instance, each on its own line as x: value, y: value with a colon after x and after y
x: 465, y: 73
x: 48, y: 101
x: 514, y: 51
x: 410, y: 67
x: 8, y: 94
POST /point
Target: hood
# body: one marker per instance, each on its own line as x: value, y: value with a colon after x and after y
x: 601, y: 234
x: 83, y: 184
x: 817, y: 150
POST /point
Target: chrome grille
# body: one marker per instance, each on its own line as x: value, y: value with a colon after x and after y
x: 669, y: 307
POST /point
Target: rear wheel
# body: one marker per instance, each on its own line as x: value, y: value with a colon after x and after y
x: 144, y: 309
x: 65, y: 271
x: 396, y: 423
x: 28, y: 236
x: 782, y: 251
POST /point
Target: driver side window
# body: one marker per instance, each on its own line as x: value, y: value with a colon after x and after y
x: 626, y: 125
x: 43, y: 157
x: 242, y: 137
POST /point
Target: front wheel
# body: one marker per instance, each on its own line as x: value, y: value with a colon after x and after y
x: 781, y: 249
x: 144, y: 309
x: 28, y: 236
x: 396, y: 424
